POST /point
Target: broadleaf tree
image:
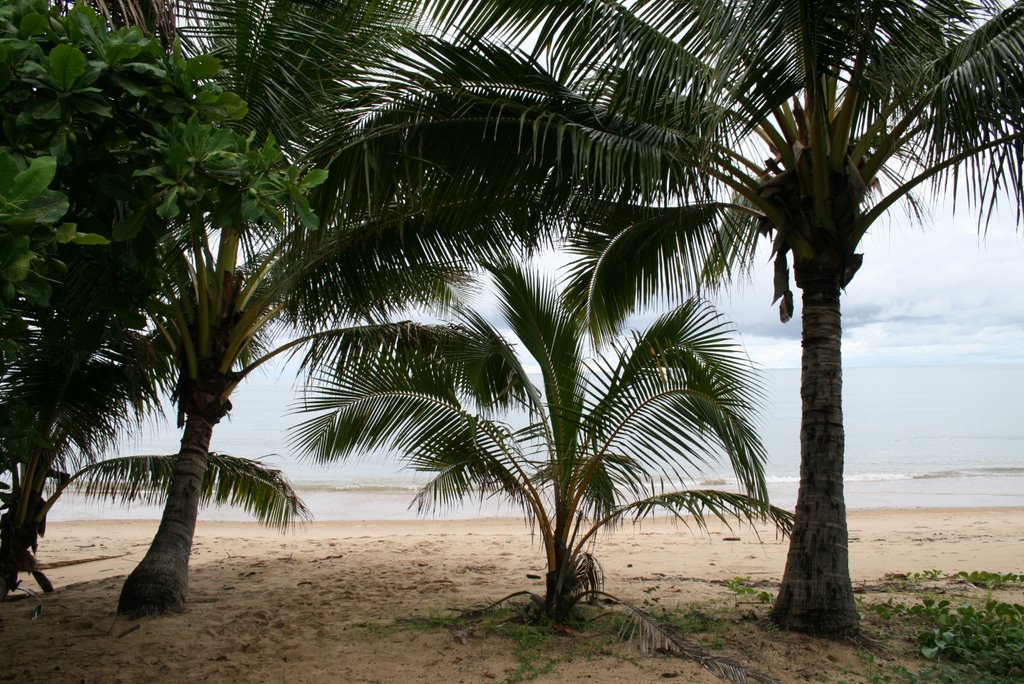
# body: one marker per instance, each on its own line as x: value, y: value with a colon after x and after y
x: 84, y: 363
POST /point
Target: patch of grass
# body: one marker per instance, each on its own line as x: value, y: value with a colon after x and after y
x: 912, y: 581
x: 531, y: 645
x: 992, y: 580
x: 742, y: 587
x: 540, y: 646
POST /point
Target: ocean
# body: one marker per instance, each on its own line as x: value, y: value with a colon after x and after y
x: 923, y: 437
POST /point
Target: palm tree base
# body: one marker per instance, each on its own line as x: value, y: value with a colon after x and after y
x: 818, y: 611
x: 154, y: 588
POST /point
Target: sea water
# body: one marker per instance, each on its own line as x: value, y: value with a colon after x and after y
x: 915, y: 437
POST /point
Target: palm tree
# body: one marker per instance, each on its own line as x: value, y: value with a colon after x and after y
x: 222, y: 302
x: 257, y: 275
x: 64, y: 403
x: 607, y: 438
x: 680, y: 133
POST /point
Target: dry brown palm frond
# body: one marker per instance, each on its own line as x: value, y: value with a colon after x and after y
x: 588, y: 577
x: 653, y: 636
x: 157, y: 16
x: 472, y: 614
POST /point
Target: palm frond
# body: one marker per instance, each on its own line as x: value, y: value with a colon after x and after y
x: 553, y: 338
x: 653, y: 636
x: 629, y: 257
x: 678, y: 396
x: 698, y: 505
x: 260, y: 491
x: 327, y: 44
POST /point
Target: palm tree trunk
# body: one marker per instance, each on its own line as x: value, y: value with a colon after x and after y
x: 557, y: 605
x: 816, y: 596
x: 160, y: 582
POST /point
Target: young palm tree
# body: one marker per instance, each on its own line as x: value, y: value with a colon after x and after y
x: 607, y: 438
x: 680, y: 133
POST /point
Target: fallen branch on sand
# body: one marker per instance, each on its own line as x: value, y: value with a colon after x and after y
x: 77, y: 561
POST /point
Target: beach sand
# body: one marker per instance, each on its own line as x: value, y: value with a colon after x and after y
x: 362, y: 601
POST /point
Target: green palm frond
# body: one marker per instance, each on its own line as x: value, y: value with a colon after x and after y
x: 702, y: 505
x: 260, y: 491
x: 915, y: 92
x: 553, y: 338
x: 536, y: 144
x: 385, y: 401
x: 661, y: 396
x: 327, y: 44
x: 629, y: 257
x: 83, y: 382
x: 488, y: 464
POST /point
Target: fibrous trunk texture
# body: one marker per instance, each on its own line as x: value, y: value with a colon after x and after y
x: 160, y: 582
x: 816, y: 596
x: 559, y: 587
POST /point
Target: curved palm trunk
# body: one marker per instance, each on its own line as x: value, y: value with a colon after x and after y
x: 159, y: 583
x: 816, y: 596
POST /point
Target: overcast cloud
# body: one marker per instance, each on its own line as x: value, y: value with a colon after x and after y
x: 938, y: 295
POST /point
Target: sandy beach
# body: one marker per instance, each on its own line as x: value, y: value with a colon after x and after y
x: 371, y: 601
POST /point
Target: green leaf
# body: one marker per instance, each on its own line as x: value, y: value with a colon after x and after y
x: 65, y: 233
x: 130, y: 226
x: 203, y: 66
x: 314, y: 178
x: 90, y: 239
x: 48, y: 207
x: 47, y: 110
x: 59, y: 146
x: 222, y: 106
x: 92, y: 106
x: 31, y: 182
x: 168, y: 209
x: 32, y: 24
x: 36, y: 289
x: 144, y: 69
x: 132, y: 83
x: 8, y: 170
x: 123, y: 46
x: 13, y: 249
x: 67, y: 63
x: 306, y: 214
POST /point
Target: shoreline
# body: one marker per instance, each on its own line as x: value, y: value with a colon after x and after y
x: 387, y: 503
x: 881, y: 541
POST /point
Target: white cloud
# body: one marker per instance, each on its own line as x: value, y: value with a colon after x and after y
x: 939, y: 295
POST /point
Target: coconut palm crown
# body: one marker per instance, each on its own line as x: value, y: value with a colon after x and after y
x: 681, y: 134
x: 607, y: 437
